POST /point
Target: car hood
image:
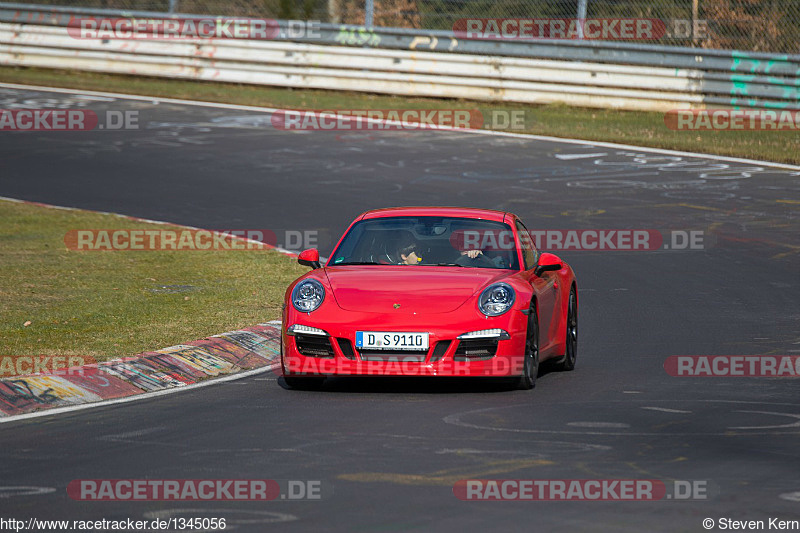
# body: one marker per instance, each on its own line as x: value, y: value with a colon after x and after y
x: 415, y: 289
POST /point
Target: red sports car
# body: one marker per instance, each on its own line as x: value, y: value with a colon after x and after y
x: 430, y: 291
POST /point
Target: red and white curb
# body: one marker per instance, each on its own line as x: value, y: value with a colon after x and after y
x: 219, y: 358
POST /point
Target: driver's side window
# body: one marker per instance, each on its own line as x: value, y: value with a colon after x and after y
x: 529, y: 253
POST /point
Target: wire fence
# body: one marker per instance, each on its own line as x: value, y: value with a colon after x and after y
x: 747, y: 25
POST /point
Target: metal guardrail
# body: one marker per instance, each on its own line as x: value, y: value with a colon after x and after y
x: 419, y: 63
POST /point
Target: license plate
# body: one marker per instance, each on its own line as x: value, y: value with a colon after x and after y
x: 391, y: 340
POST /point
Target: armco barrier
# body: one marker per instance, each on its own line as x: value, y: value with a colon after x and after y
x: 414, y: 63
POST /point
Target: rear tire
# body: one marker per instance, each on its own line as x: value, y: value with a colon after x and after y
x: 567, y: 362
x: 530, y: 362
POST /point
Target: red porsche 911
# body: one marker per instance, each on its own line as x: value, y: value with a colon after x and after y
x: 430, y: 291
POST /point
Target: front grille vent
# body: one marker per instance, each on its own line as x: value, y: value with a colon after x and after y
x: 346, y: 347
x: 440, y: 350
x: 410, y: 356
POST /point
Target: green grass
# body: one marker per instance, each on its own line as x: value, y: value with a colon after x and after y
x: 107, y: 304
x: 627, y: 127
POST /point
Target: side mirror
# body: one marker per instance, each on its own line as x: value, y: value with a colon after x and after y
x: 309, y: 258
x: 547, y: 263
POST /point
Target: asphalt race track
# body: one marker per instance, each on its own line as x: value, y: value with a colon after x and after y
x: 388, y: 452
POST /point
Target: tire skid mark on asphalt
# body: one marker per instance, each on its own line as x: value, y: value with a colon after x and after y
x: 129, y: 436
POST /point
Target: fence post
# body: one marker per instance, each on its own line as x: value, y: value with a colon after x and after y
x: 368, y: 13
x: 334, y: 12
x: 581, y: 16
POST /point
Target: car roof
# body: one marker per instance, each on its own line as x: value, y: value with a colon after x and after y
x: 461, y: 212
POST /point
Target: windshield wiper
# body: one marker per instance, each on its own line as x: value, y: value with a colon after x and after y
x: 450, y: 265
x: 357, y: 263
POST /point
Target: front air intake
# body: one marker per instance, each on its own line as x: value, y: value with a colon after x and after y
x: 475, y: 349
x: 313, y: 345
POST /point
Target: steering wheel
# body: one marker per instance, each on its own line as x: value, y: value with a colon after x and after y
x: 479, y: 261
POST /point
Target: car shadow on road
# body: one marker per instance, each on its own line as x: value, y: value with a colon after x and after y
x: 423, y: 384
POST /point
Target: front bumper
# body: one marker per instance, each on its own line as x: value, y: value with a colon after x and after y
x: 335, y: 352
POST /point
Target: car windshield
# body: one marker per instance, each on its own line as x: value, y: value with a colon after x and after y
x: 428, y: 241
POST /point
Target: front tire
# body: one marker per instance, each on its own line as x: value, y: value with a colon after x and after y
x: 300, y: 382
x: 303, y: 383
x: 530, y: 362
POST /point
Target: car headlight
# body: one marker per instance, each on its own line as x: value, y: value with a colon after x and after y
x: 308, y: 295
x: 496, y: 299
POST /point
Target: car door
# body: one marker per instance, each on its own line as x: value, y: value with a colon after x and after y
x: 544, y: 286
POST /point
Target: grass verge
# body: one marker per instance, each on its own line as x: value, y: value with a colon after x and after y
x: 108, y: 304
x: 627, y: 127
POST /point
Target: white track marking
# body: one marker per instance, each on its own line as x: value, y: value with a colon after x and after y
x: 615, y: 425
x: 782, y: 426
x: 569, y: 157
x: 10, y: 492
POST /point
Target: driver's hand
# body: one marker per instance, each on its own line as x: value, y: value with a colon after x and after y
x: 472, y: 254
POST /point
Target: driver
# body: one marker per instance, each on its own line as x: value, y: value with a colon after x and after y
x: 409, y: 254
